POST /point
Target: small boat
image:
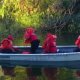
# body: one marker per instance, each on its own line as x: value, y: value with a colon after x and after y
x: 66, y: 57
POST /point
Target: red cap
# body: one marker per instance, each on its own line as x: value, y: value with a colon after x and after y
x: 30, y: 30
x: 10, y: 37
x: 49, y: 34
x: 6, y: 43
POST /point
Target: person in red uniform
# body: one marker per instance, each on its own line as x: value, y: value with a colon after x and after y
x: 49, y: 46
x: 7, y: 47
x: 31, y: 38
x: 77, y: 43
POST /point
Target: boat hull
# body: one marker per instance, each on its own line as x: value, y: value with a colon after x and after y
x: 59, y: 60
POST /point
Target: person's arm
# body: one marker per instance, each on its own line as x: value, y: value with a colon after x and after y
x: 27, y: 38
x: 77, y: 43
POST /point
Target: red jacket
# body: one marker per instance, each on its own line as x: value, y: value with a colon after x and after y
x: 49, y: 45
x: 29, y: 37
x: 6, y: 44
x: 77, y: 42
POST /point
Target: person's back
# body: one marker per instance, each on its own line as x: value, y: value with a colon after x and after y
x: 49, y: 45
x: 6, y: 46
x: 77, y: 43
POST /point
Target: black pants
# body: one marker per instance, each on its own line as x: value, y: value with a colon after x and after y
x: 34, y: 46
x: 6, y: 51
x: 77, y: 50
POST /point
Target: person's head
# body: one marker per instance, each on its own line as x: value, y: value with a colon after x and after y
x: 48, y: 35
x: 10, y: 37
x: 53, y: 37
x: 5, y: 43
x: 30, y: 30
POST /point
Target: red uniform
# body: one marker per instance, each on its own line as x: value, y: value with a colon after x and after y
x: 6, y: 44
x: 77, y: 42
x: 30, y: 35
x: 49, y: 44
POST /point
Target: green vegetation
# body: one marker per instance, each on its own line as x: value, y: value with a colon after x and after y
x: 55, y: 16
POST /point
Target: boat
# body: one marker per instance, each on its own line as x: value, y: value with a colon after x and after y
x: 65, y: 57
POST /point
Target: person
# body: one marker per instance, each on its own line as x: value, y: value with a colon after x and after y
x: 77, y: 43
x: 49, y: 47
x: 7, y: 47
x: 31, y: 38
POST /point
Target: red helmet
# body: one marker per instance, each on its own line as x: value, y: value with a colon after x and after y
x: 5, y: 43
x: 10, y: 37
x: 30, y: 30
x: 52, y: 36
x: 49, y: 35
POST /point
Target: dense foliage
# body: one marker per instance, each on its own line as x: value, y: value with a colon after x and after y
x: 49, y: 15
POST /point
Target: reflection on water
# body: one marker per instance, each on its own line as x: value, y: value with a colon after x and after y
x: 62, y: 74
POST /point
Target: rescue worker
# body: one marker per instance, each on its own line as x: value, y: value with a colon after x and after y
x: 7, y: 47
x: 77, y: 43
x: 31, y: 38
x: 49, y: 46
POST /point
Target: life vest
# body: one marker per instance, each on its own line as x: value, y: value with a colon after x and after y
x: 77, y: 42
x: 6, y: 44
x: 30, y: 30
x: 49, y: 44
x: 30, y: 36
